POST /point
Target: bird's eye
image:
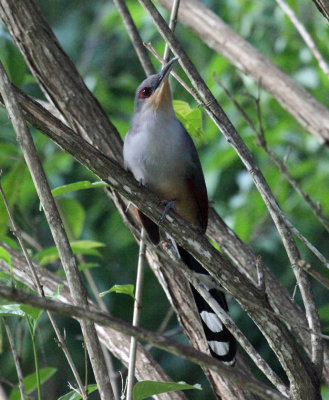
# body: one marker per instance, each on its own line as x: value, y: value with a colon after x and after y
x: 145, y: 92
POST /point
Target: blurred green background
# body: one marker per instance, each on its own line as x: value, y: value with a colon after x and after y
x: 94, y: 37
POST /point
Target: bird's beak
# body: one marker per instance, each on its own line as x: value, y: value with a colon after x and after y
x: 165, y: 72
x: 162, y: 95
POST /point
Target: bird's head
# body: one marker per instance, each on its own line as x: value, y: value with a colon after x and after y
x: 154, y: 92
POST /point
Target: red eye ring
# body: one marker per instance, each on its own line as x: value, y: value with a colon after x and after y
x: 145, y: 92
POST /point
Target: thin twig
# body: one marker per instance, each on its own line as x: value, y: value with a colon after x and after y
x: 56, y: 226
x: 17, y: 360
x: 137, y: 313
x: 172, y: 25
x: 134, y: 37
x: 305, y: 35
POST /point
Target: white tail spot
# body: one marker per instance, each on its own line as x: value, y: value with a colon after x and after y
x: 220, y: 348
x: 212, y: 321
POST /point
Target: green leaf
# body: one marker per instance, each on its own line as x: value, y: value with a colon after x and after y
x: 191, y: 118
x: 87, y: 247
x: 11, y: 184
x: 325, y: 392
x: 33, y: 312
x: 324, y: 312
x: 73, y: 187
x: 30, y: 382
x: 83, y: 267
x: 56, y: 292
x: 11, y: 309
x: 73, y: 395
x: 5, y: 256
x: 144, y: 389
x: 125, y: 289
x: 15, y: 64
x: 74, y: 215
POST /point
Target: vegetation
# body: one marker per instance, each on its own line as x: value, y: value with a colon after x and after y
x: 94, y: 37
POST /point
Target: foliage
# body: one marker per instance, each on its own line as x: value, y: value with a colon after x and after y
x: 94, y: 37
x: 145, y: 389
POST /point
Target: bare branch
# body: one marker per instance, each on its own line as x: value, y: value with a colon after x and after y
x: 137, y: 313
x: 66, y: 255
x: 221, y: 120
x: 284, y: 170
x: 323, y: 7
x: 305, y: 35
x: 134, y: 36
x: 61, y: 340
x: 158, y: 341
x: 57, y: 75
x: 293, y: 253
x: 310, y: 114
x: 201, y: 287
x: 172, y: 25
x: 116, y: 342
x: 16, y: 360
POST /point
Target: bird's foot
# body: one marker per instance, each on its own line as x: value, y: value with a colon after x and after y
x: 168, y: 205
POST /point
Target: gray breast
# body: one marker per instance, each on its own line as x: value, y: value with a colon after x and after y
x: 157, y: 150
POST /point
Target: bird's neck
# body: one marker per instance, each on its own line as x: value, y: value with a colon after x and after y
x: 151, y: 119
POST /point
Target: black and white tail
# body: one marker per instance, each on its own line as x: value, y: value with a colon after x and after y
x: 222, y: 344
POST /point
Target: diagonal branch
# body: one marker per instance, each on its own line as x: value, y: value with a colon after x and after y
x: 312, y: 115
x: 115, y: 341
x: 134, y: 36
x: 305, y: 35
x: 155, y: 339
x: 224, y: 124
x: 188, y: 237
x: 57, y: 75
x: 57, y: 229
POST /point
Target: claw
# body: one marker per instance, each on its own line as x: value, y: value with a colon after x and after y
x: 168, y: 206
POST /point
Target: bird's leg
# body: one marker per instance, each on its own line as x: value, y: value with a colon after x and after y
x: 168, y: 206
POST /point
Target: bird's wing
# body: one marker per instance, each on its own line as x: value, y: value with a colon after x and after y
x: 198, y: 191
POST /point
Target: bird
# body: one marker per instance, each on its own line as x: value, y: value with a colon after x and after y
x: 161, y: 155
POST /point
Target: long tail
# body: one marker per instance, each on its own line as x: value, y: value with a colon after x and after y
x: 222, y: 344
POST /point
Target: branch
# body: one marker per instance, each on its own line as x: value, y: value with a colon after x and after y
x: 116, y: 342
x: 305, y: 36
x: 221, y: 120
x: 57, y: 75
x: 37, y: 284
x: 17, y: 360
x: 323, y: 7
x: 155, y: 339
x: 137, y: 313
x: 189, y: 238
x: 89, y: 115
x: 203, y: 289
x: 172, y: 25
x: 56, y: 226
x: 134, y: 36
x: 310, y: 114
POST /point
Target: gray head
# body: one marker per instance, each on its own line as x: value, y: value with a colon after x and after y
x: 154, y: 91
